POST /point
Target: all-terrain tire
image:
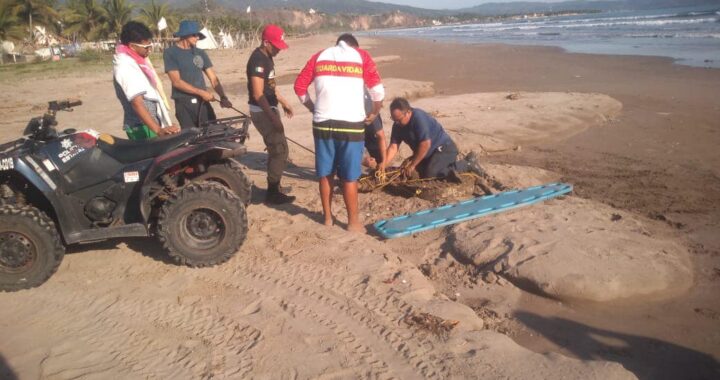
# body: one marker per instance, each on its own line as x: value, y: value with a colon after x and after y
x: 230, y: 174
x: 30, y: 247
x: 203, y: 224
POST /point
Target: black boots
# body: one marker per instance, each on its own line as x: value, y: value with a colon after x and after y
x: 473, y: 163
x: 274, y: 196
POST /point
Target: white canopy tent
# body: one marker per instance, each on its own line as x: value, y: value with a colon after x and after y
x: 209, y: 42
x: 8, y: 48
x: 226, y: 40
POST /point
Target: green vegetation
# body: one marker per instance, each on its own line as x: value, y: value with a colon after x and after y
x: 10, y: 23
x: 49, y: 69
x: 34, y: 12
x: 84, y: 20
x: 118, y: 12
x: 152, y: 13
x: 94, y: 55
x: 97, y: 20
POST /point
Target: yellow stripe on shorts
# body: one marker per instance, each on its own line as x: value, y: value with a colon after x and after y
x: 339, y: 130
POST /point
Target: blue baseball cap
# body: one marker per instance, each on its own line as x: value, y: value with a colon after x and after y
x: 189, y: 28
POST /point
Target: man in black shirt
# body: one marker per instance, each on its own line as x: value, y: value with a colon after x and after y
x: 374, y: 138
x: 185, y: 64
x: 264, y: 101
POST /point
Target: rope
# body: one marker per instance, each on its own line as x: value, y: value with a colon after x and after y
x: 393, y: 177
x: 287, y: 138
x: 300, y: 145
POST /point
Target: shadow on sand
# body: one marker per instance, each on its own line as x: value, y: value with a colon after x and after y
x: 258, y: 161
x: 647, y: 358
x: 6, y: 372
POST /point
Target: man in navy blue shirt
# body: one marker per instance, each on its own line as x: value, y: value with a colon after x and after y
x: 185, y: 64
x: 434, y: 152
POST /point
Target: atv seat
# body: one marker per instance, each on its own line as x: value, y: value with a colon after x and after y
x: 129, y: 151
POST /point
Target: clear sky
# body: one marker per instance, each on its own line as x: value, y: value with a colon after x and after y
x: 450, y: 4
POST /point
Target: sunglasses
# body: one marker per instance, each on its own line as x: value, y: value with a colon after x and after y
x: 148, y: 46
x: 398, y: 119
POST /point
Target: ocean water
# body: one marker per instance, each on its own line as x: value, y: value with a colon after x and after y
x: 691, y: 36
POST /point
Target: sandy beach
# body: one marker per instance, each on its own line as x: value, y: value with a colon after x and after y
x: 619, y: 280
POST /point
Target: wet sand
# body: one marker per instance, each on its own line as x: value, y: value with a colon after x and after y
x: 659, y: 158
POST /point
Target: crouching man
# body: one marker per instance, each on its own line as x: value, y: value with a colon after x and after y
x: 434, y: 152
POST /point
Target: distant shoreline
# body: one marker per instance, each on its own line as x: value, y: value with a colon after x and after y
x: 687, y: 35
x: 675, y: 61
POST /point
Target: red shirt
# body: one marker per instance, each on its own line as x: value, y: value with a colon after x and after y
x: 340, y: 75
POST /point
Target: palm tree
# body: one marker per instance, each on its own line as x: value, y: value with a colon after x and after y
x: 86, y: 18
x: 152, y: 13
x: 118, y: 12
x: 40, y: 11
x: 10, y: 23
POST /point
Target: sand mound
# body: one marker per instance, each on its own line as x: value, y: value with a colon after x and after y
x: 502, y: 121
x: 576, y: 249
x: 409, y: 89
x: 498, y: 357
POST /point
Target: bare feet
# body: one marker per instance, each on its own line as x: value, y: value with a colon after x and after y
x: 356, y: 227
x: 328, y: 221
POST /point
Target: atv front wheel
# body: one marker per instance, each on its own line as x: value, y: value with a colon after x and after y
x: 229, y: 173
x: 30, y: 247
x: 203, y: 224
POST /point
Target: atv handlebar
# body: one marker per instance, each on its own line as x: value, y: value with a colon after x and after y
x: 42, y: 128
x: 61, y: 105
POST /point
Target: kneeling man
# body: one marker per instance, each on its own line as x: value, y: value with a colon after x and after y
x: 434, y: 152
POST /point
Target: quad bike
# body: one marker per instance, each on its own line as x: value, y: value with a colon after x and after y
x: 62, y: 188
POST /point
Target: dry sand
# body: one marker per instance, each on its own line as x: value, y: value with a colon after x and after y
x: 301, y: 300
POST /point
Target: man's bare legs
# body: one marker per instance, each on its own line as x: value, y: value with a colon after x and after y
x: 326, y: 198
x: 350, y: 195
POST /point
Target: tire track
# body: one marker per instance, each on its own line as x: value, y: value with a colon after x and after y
x: 140, y: 336
x: 361, y: 354
x: 416, y: 349
x: 350, y: 305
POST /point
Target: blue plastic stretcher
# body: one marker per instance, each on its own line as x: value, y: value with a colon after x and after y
x: 470, y: 209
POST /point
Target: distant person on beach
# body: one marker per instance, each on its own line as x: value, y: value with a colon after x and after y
x: 340, y: 75
x: 138, y: 87
x: 185, y: 64
x: 264, y: 101
x: 434, y: 152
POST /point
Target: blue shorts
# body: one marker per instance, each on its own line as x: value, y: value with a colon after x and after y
x: 337, y: 156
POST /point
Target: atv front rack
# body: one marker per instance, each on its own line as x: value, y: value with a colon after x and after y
x: 224, y: 129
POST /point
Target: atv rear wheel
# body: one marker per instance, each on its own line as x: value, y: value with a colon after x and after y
x: 229, y: 173
x: 30, y: 247
x: 203, y: 224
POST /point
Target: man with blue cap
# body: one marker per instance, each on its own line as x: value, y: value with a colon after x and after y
x: 185, y: 64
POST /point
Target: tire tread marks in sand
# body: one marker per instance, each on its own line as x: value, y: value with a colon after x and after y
x: 350, y: 309
x: 129, y: 339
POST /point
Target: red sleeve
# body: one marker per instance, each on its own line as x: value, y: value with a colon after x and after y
x: 306, y: 76
x: 370, y: 73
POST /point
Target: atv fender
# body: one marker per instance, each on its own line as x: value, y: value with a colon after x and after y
x: 162, y: 163
x: 39, y: 178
